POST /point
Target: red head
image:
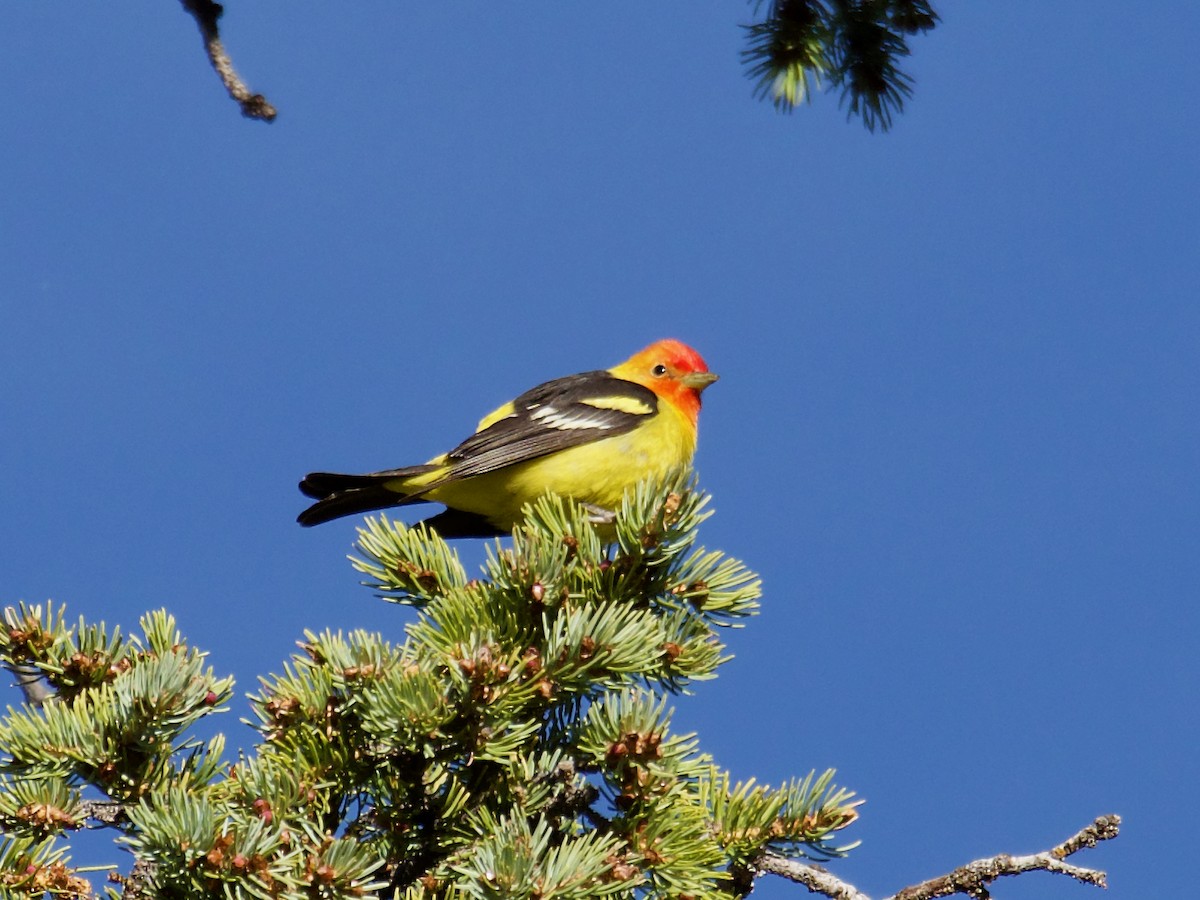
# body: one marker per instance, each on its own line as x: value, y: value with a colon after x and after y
x: 671, y: 369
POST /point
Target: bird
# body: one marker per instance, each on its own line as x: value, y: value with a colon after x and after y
x: 590, y: 437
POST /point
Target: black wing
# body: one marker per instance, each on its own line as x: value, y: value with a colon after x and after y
x: 565, y: 412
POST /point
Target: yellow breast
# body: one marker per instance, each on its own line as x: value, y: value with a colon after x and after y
x: 598, y: 473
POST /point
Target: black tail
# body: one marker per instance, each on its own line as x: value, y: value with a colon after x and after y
x: 454, y: 523
x: 340, y: 495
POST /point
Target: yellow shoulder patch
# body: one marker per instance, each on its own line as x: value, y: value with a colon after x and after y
x: 504, y: 412
x: 625, y: 404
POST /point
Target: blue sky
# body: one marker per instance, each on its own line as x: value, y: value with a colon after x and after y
x: 956, y: 430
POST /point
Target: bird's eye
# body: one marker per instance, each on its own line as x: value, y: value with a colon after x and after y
x: 659, y: 371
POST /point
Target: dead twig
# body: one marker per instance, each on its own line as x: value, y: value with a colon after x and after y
x: 138, y: 883
x: 971, y: 879
x: 106, y: 812
x: 812, y: 877
x: 206, y: 13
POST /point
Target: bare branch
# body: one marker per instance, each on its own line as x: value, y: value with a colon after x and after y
x: 206, y: 13
x: 814, y: 878
x: 107, y: 812
x: 1103, y: 829
x: 971, y: 879
x: 138, y: 884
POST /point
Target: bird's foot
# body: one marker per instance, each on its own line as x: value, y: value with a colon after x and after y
x: 598, y: 515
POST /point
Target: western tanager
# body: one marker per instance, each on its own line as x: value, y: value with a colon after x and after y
x: 589, y: 437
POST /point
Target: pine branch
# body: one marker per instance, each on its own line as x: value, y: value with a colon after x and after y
x: 206, y: 13
x: 799, y: 45
x: 971, y: 879
x: 854, y: 45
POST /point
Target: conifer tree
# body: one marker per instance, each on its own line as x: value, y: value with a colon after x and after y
x: 516, y: 743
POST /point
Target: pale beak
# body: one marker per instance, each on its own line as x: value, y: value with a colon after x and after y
x: 698, y: 381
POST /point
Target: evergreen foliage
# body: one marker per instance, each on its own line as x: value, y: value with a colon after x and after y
x: 854, y: 45
x: 516, y: 744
